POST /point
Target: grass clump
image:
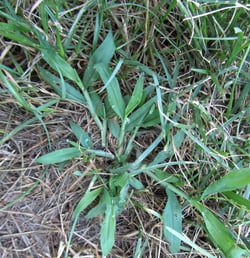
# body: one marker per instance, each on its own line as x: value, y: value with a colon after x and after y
x: 166, y: 88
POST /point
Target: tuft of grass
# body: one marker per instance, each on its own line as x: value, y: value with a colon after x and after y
x: 168, y: 92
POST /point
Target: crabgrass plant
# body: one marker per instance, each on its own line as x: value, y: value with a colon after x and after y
x: 149, y: 106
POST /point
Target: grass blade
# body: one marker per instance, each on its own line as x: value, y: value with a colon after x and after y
x: 137, y: 117
x: 218, y: 232
x: 205, y: 148
x: 172, y: 217
x: 241, y: 201
x: 59, y: 156
x: 232, y: 181
x: 136, y: 96
x: 86, y: 200
x: 15, y: 90
x: 12, y: 32
x: 71, y: 93
x: 108, y: 227
x: 60, y: 65
x: 113, y: 88
x: 102, y: 54
x: 81, y: 135
x: 186, y: 240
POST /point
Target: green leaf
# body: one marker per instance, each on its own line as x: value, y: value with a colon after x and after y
x: 204, y: 147
x: 108, y: 228
x: 86, y: 200
x: 136, y: 96
x: 15, y: 90
x: 137, y: 184
x: 219, y: 234
x: 81, y: 135
x: 120, y: 180
x: 99, y: 209
x: 152, y: 118
x: 102, y: 54
x: 160, y: 157
x: 113, y: 88
x: 239, y: 200
x: 234, y: 180
x: 13, y: 32
x: 54, y: 81
x: 162, y: 176
x: 172, y: 217
x: 59, y: 64
x: 138, y: 115
x: 114, y: 127
x: 59, y: 156
x: 188, y: 241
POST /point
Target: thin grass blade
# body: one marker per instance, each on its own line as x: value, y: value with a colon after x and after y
x: 13, y: 32
x: 239, y: 200
x: 186, y: 240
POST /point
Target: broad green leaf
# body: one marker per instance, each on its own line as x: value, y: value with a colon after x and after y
x: 137, y: 184
x: 113, y: 88
x: 136, y: 96
x: 108, y: 228
x: 71, y: 93
x: 137, y: 117
x: 81, y: 135
x: 120, y: 180
x: 114, y: 127
x: 86, y: 200
x: 234, y: 180
x: 99, y: 209
x: 118, y: 187
x: 59, y: 64
x: 152, y: 118
x: 98, y: 104
x: 102, y: 54
x: 238, y: 252
x: 172, y: 217
x: 13, y: 32
x: 110, y: 113
x: 59, y: 156
x: 218, y: 232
